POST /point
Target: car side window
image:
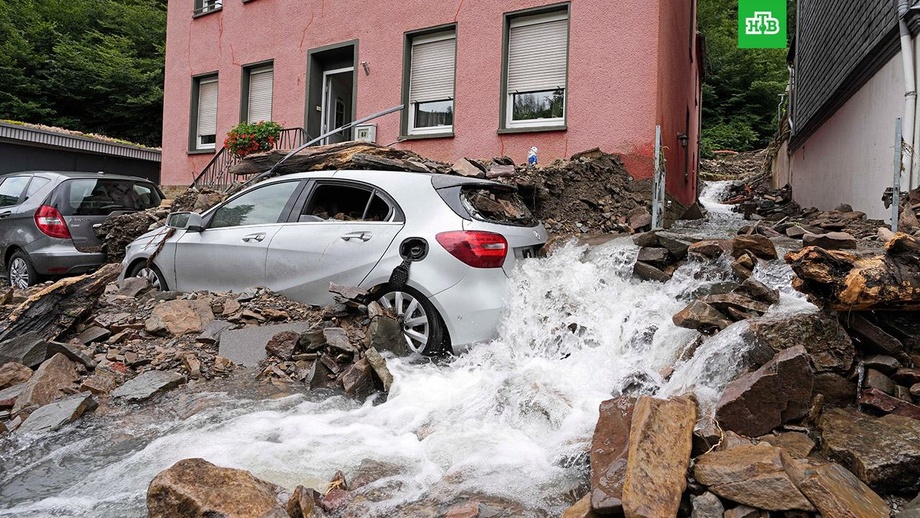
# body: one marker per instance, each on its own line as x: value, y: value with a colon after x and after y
x: 11, y: 190
x: 345, y: 203
x: 36, y: 184
x: 258, y: 206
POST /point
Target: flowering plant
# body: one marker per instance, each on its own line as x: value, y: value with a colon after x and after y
x: 246, y: 138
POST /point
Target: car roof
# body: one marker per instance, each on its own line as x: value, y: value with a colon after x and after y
x: 437, y: 180
x: 78, y: 174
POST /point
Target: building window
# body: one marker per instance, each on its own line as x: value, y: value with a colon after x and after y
x: 432, y: 57
x: 536, y: 62
x: 204, y: 113
x: 206, y: 6
x: 257, y: 93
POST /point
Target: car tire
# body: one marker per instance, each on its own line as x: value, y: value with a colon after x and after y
x: 20, y: 271
x: 423, y: 328
x: 151, y: 273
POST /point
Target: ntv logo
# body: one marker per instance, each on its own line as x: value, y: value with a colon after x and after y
x: 762, y: 24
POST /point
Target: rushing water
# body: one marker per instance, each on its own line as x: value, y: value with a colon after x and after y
x: 510, y: 420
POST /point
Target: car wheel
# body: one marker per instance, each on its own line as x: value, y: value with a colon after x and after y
x: 151, y: 273
x: 21, y: 272
x: 423, y: 328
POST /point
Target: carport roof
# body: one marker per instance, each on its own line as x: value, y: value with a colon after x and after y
x: 38, y: 136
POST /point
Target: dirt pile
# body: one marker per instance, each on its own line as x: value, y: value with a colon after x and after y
x: 731, y: 165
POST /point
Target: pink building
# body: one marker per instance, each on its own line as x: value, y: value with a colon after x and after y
x: 479, y: 78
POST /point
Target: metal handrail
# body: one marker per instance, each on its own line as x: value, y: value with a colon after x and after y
x: 215, y: 175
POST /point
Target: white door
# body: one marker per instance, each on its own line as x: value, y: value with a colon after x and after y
x: 336, y: 107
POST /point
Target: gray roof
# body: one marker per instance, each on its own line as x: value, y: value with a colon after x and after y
x: 41, y: 137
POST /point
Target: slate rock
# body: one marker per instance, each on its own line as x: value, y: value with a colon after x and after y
x: 756, y: 244
x: 639, y: 219
x: 647, y: 272
x: 101, y: 382
x: 302, y: 503
x: 882, y: 363
x: 338, y: 340
x: 385, y: 333
x: 743, y: 511
x: 379, y: 364
x: 890, y: 404
x: 735, y: 300
x: 609, y: 447
x: 827, y: 342
x: 12, y: 373
x: 778, y: 392
x: 837, y: 390
x: 93, y: 334
x: 701, y: 316
x: 195, y: 487
x: 283, y: 344
x: 795, y: 232
x: 72, y: 352
x: 28, y: 349
x: 883, y: 452
x: 796, y: 444
x: 357, y: 380
x: 834, y: 491
x: 53, y: 416
x: 706, y: 505
x: 133, y: 286
x: 464, y: 167
x: 581, y: 509
x: 147, y: 385
x: 707, y: 248
x: 675, y: 243
x: 49, y: 382
x: 830, y: 241
x: 247, y: 346
x: 212, y: 331
x: 653, y: 255
x: 759, y: 291
x: 877, y: 380
x: 178, y: 317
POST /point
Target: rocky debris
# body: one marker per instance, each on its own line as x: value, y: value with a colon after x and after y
x: 829, y: 346
x: 830, y: 241
x: 53, y: 416
x: 581, y: 509
x: 13, y: 373
x: 51, y: 380
x: 249, y: 346
x: 732, y: 165
x: 608, y: 456
x: 701, y: 316
x: 28, y: 349
x: 796, y: 444
x: 778, y: 392
x: 147, y: 385
x: 178, y: 317
x: 195, y: 487
x: 834, y: 491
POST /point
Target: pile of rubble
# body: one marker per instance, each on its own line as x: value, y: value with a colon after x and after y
x: 732, y: 165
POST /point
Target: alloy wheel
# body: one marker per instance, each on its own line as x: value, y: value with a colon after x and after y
x: 19, y: 273
x: 414, y: 318
x: 151, y: 276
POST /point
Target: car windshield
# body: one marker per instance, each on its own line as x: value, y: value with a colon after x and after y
x: 102, y: 196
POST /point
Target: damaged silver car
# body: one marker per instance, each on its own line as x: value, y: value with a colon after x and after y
x: 435, y: 249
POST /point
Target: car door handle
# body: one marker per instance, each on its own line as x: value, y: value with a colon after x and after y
x: 363, y: 236
x: 6, y: 213
x: 258, y: 236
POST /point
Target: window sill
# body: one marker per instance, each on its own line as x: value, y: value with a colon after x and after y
x: 202, y: 151
x: 426, y: 136
x: 211, y: 11
x: 532, y: 129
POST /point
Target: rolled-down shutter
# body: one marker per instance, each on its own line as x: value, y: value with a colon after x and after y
x: 537, y: 53
x: 432, y: 62
x: 260, y: 94
x: 207, y: 107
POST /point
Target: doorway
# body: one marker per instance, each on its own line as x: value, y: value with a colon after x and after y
x: 331, y: 90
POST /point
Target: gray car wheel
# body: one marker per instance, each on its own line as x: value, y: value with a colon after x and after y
x: 422, y: 326
x: 21, y: 272
x: 151, y: 273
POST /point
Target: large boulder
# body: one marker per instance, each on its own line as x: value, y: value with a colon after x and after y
x: 660, y: 441
x: 752, y: 475
x: 834, y: 491
x: 49, y: 382
x: 196, y: 488
x: 178, y: 317
x: 609, y: 447
x: 778, y: 392
x: 826, y: 341
x: 883, y: 452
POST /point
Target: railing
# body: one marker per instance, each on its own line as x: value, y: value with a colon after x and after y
x: 206, y: 6
x: 216, y: 175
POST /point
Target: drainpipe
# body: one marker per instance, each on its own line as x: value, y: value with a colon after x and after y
x: 910, y: 92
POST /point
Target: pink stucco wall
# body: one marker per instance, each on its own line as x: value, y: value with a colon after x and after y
x: 613, y: 100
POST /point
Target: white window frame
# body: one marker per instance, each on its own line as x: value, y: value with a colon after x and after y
x: 256, y: 71
x: 199, y: 145
x: 411, y: 129
x: 521, y: 21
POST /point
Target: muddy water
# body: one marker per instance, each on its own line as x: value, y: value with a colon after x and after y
x: 508, y: 422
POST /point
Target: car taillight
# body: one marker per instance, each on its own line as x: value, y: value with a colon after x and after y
x: 475, y: 248
x: 51, y: 223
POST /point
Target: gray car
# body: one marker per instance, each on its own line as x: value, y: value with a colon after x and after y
x: 47, y: 220
x: 437, y: 249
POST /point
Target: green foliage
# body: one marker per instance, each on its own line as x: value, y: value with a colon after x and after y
x: 742, y: 86
x: 94, y: 66
x: 246, y: 138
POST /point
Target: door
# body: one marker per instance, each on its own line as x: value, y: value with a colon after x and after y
x: 230, y: 253
x: 341, y: 234
x: 337, y: 89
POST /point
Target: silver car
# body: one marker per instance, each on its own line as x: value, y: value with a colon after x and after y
x: 47, y: 220
x: 438, y: 249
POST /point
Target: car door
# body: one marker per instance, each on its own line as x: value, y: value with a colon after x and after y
x: 339, y: 236
x: 229, y: 254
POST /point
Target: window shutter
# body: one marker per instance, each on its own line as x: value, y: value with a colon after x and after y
x: 432, y: 74
x: 207, y: 107
x: 537, y: 53
x: 260, y: 95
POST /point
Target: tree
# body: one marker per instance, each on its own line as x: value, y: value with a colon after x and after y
x: 94, y: 66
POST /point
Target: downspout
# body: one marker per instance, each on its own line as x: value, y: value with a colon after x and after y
x: 910, y: 93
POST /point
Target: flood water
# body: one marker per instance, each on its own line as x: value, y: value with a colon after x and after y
x: 509, y: 421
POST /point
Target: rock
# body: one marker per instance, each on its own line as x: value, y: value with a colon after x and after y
x: 133, y: 286
x: 826, y: 341
x: 796, y: 444
x: 49, y: 382
x: 463, y: 510
x: 837, y: 390
x: 706, y: 505
x: 876, y: 338
x: 653, y: 255
x: 193, y: 365
x: 882, y: 363
x: 338, y: 340
x: 581, y: 509
x: 795, y: 232
x: 906, y: 376
x: 384, y: 333
x: 889, y: 404
x: 102, y: 382
x: 707, y: 248
x: 660, y: 439
x: 93, y: 334
x: 743, y: 511
x: 885, y: 234
x: 13, y: 373
x: 357, y: 379
x: 646, y: 239
x: 647, y: 272
x: 883, y: 452
x: 834, y: 491
x: 212, y: 331
x: 675, y: 243
x: 380, y: 368
x: 639, y: 219
x: 464, y: 167
x: 53, y: 416
x: 283, y: 344
x: 741, y: 271
x: 247, y: 346
x: 778, y: 392
x: 609, y: 447
x: 28, y: 349
x: 72, y: 352
x: 759, y: 291
x: 195, y: 487
x: 735, y: 300
x: 178, y: 317
x: 752, y: 475
x: 877, y: 380
x: 148, y: 385
x: 302, y: 503
x: 755, y: 244
x: 701, y: 316
x: 830, y: 241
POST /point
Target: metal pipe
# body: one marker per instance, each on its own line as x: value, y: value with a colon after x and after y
x: 910, y: 91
